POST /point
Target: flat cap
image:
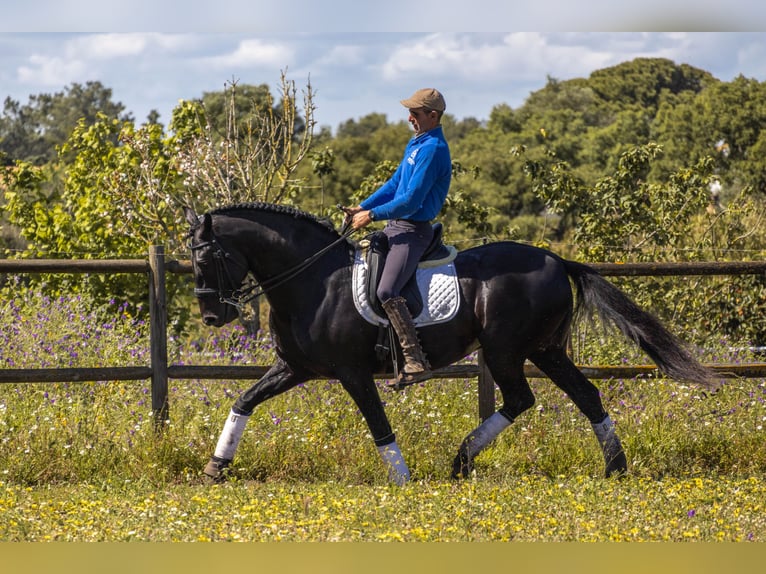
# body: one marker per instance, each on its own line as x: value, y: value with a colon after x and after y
x: 429, y: 98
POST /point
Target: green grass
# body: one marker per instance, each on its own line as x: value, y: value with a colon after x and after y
x: 82, y: 461
x: 527, y: 508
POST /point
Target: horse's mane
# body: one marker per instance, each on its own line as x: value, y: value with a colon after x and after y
x: 274, y: 208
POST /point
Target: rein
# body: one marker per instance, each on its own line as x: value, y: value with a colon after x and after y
x: 240, y: 297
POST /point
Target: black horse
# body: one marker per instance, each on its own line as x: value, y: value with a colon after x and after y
x: 515, y: 302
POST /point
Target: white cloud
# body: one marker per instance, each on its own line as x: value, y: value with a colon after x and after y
x: 119, y: 45
x: 343, y: 56
x: 106, y: 46
x: 89, y: 55
x: 50, y: 71
x: 518, y: 58
x: 254, y: 52
x: 493, y: 58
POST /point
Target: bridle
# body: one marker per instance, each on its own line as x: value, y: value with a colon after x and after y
x: 226, y: 291
x: 239, y: 296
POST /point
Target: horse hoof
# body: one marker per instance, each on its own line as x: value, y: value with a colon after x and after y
x: 216, y: 470
x: 461, y: 468
x: 617, y: 467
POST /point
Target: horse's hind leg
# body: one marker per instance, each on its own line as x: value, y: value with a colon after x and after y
x: 562, y: 371
x: 517, y: 397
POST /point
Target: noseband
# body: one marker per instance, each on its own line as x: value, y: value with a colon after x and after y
x: 230, y: 294
x: 239, y: 296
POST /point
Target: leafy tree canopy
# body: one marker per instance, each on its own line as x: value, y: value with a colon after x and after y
x: 31, y: 132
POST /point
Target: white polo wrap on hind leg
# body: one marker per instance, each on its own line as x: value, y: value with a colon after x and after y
x: 485, y: 433
x: 231, y: 435
x: 607, y: 438
x: 398, y: 472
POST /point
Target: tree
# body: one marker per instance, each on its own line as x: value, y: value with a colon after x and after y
x: 32, y: 131
x: 362, y: 128
x: 643, y: 81
x: 727, y: 122
x: 253, y: 156
x: 124, y: 187
x: 624, y: 217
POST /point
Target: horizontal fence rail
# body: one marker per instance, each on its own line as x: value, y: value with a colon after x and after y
x: 175, y: 266
x: 683, y: 268
x: 160, y: 371
x: 252, y: 372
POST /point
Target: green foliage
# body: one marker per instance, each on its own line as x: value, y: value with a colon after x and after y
x: 24, y: 195
x: 645, y: 81
x: 623, y: 217
x: 725, y: 121
x: 32, y: 132
x: 112, y: 204
x: 461, y: 214
x: 123, y: 187
x: 623, y: 214
x: 323, y: 162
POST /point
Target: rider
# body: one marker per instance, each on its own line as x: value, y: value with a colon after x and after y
x: 409, y: 200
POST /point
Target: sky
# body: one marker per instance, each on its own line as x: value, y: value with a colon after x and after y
x: 47, y: 46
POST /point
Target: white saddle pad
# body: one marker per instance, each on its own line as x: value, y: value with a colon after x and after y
x: 438, y: 289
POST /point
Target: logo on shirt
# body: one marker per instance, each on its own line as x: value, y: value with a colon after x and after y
x: 411, y: 159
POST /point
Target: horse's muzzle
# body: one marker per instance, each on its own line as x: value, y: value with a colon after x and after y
x: 220, y: 316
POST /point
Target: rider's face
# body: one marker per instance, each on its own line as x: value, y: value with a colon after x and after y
x: 423, y: 120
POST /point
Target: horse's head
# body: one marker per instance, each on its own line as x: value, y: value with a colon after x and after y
x: 218, y: 273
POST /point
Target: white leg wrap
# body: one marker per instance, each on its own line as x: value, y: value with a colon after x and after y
x: 485, y: 433
x: 608, y: 439
x: 398, y: 473
x: 230, y: 436
x: 604, y: 431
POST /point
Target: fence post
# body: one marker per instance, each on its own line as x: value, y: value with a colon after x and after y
x: 158, y: 342
x: 486, y: 389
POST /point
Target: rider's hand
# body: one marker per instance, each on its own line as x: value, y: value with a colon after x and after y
x: 350, y: 212
x: 361, y: 219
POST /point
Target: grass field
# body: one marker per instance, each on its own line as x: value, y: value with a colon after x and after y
x: 82, y: 461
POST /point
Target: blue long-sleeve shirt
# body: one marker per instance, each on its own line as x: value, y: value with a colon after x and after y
x: 419, y: 186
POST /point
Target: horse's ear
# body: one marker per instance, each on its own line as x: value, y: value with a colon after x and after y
x: 191, y: 217
x: 207, y: 222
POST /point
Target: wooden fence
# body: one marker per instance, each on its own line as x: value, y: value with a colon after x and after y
x: 159, y: 371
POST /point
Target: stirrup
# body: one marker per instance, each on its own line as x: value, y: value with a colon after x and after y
x: 404, y: 379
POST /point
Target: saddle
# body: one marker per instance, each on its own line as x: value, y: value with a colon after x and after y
x: 376, y: 243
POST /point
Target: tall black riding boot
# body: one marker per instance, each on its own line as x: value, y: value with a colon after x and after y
x: 416, y: 367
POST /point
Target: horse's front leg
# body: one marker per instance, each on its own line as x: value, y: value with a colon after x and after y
x: 277, y: 380
x: 363, y: 391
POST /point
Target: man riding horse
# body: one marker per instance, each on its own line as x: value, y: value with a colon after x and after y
x: 409, y: 200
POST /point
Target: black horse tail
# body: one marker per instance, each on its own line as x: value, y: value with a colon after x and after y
x: 596, y: 294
